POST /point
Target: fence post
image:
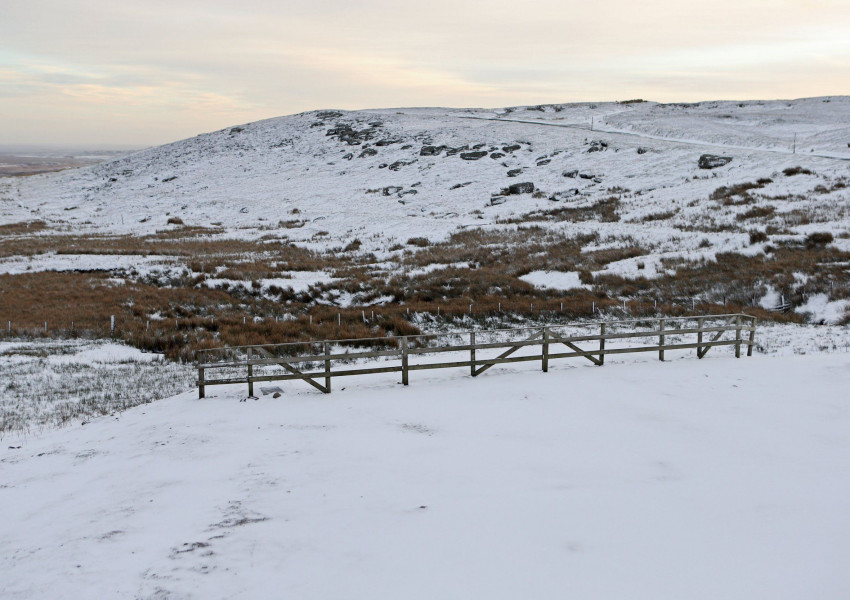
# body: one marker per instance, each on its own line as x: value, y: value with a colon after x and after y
x: 752, y: 336
x: 661, y: 340
x: 327, y: 368
x: 112, y: 326
x: 472, y: 353
x: 545, y: 349
x: 700, y: 322
x: 602, y: 329
x: 201, y: 391
x: 250, y: 374
x: 738, y: 336
x: 404, y: 360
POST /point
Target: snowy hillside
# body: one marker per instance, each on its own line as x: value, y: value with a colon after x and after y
x: 391, y: 174
x: 709, y: 479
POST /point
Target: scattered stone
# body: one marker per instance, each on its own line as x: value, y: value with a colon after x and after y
x: 511, y: 148
x: 572, y: 174
x: 712, y: 161
x: 460, y: 185
x: 407, y: 193
x: 453, y: 151
x: 473, y: 155
x: 328, y: 114
x: 431, y: 150
x: 349, y: 156
x: 543, y: 162
x: 367, y: 152
x: 382, y: 166
x: 391, y: 190
x: 406, y: 146
x: 496, y: 200
x: 565, y: 195
x: 525, y: 187
x: 166, y: 180
x: 236, y: 130
x: 478, y: 146
x: 387, y: 142
x: 514, y: 172
x: 244, y: 210
x: 641, y: 150
x: 586, y: 175
x: 496, y: 155
x: 597, y: 146
x: 399, y: 164
x: 276, y: 395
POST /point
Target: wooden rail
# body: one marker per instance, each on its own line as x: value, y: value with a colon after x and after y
x: 316, y: 360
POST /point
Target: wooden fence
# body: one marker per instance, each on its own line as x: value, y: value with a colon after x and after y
x: 319, y: 362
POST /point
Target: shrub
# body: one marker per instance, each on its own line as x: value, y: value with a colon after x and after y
x: 757, y: 237
x: 791, y: 171
x: 818, y: 239
x: 421, y: 242
x: 175, y: 221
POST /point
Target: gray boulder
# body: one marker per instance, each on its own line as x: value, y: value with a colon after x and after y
x: 712, y: 161
x: 473, y: 155
x: 525, y: 187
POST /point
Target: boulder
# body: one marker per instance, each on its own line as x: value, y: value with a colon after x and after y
x: 511, y: 148
x: 496, y: 200
x: 526, y: 187
x: 473, y: 155
x: 496, y: 155
x: 431, y: 150
x: 514, y: 172
x: 572, y: 174
x: 712, y: 161
x: 565, y: 195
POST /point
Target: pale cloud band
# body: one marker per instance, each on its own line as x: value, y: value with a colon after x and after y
x: 152, y: 71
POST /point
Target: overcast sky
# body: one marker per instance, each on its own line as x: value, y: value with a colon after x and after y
x: 144, y: 72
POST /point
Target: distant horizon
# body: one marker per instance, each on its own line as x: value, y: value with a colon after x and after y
x: 46, y: 147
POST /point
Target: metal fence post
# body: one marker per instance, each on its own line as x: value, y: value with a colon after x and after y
x: 545, y: 349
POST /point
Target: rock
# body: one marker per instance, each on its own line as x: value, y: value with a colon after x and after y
x: 511, y: 148
x: 496, y: 155
x: 460, y: 185
x: 391, y: 189
x: 514, y: 172
x: 573, y: 174
x: 431, y: 150
x: 367, y: 152
x: 407, y: 193
x: 399, y: 164
x: 525, y: 187
x: 244, y: 210
x: 328, y: 114
x: 236, y: 130
x: 349, y: 156
x: 276, y: 395
x: 387, y: 142
x: 641, y: 150
x: 712, y: 161
x: 586, y: 175
x: 453, y: 151
x: 543, y: 162
x: 382, y: 166
x: 478, y: 146
x: 565, y: 195
x: 496, y: 200
x: 473, y: 155
x: 597, y: 146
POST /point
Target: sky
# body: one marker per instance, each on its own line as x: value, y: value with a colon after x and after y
x: 115, y: 73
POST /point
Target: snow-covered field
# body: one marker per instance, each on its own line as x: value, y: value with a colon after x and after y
x: 47, y: 383
x: 718, y: 478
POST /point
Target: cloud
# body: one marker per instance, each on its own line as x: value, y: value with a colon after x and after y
x: 207, y: 64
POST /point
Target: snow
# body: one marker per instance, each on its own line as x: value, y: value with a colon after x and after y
x: 554, y: 280
x: 718, y: 478
x: 824, y: 311
x: 297, y: 281
x: 87, y: 262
